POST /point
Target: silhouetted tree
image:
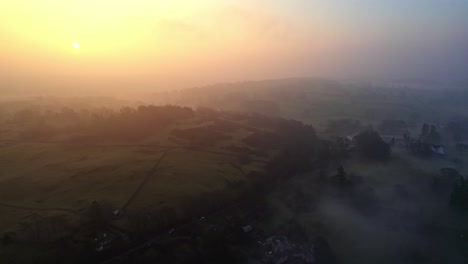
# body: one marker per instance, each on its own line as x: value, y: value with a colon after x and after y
x: 424, y: 130
x: 407, y: 139
x: 371, y: 145
x: 434, y: 135
x: 341, y: 176
x: 97, y: 221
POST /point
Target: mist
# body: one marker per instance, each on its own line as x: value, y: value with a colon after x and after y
x: 402, y: 218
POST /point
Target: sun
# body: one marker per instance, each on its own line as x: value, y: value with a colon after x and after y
x: 76, y: 45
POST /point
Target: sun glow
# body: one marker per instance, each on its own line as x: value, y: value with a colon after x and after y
x: 126, y: 37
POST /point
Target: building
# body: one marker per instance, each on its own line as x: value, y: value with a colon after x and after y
x: 438, y: 149
x: 426, y: 149
x: 279, y: 250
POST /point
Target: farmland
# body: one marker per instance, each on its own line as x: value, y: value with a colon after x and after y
x: 57, y: 175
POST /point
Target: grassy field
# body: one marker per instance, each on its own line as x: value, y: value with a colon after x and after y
x: 61, y: 178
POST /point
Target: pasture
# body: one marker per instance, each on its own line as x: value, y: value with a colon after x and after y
x: 60, y: 177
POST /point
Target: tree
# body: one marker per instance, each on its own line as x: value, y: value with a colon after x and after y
x: 341, y: 176
x: 97, y: 220
x: 430, y: 135
x: 407, y: 139
x: 435, y: 136
x: 341, y: 179
x: 424, y: 130
x: 372, y: 146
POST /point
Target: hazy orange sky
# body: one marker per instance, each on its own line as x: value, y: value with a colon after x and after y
x: 205, y: 41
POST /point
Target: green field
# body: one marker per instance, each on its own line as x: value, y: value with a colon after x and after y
x: 59, y: 177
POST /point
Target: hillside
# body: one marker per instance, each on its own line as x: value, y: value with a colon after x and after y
x: 58, y: 164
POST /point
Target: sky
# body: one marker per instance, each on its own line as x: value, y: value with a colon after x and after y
x: 156, y: 43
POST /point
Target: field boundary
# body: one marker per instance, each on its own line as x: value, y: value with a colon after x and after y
x: 144, y: 181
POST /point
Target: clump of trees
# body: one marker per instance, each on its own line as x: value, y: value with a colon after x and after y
x: 297, y: 144
x: 372, y: 146
x: 293, y: 159
x: 354, y: 191
x: 429, y: 134
x: 329, y: 151
x: 341, y: 179
x: 126, y: 123
x: 422, y: 146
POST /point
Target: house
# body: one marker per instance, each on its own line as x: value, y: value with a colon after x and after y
x: 352, y: 137
x: 438, y: 149
x: 426, y: 149
x: 247, y: 228
x: 279, y: 250
x: 103, y: 241
x: 350, y: 142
